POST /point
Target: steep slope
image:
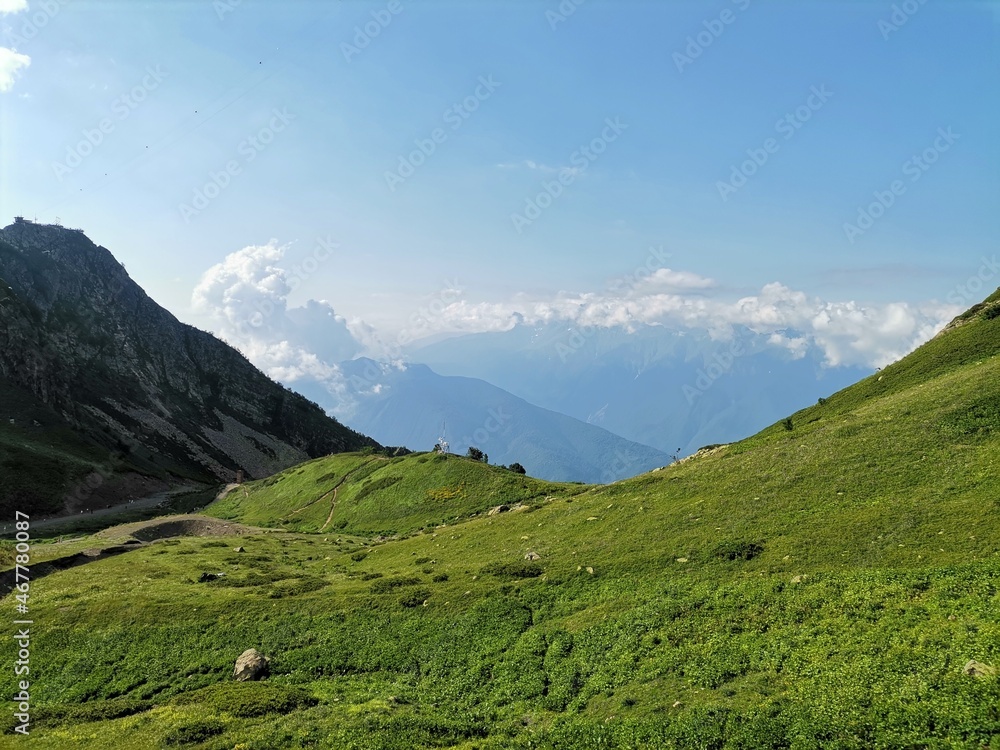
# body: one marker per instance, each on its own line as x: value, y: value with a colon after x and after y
x: 135, y: 384
x: 412, y: 403
x: 830, y: 582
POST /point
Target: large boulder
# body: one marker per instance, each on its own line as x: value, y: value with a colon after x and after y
x: 252, y: 665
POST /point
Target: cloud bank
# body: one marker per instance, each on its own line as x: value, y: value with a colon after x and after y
x: 246, y: 296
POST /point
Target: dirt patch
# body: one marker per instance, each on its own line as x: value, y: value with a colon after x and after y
x: 191, y: 525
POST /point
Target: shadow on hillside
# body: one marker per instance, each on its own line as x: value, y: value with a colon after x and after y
x: 8, y: 578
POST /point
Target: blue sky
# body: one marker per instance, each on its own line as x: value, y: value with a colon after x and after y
x: 212, y: 76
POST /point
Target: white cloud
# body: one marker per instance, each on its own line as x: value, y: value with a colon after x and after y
x: 667, y: 278
x: 247, y: 295
x: 535, y: 166
x: 11, y: 62
x: 847, y: 333
x: 12, y: 6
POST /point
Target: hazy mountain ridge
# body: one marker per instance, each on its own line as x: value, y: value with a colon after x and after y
x: 411, y: 405
x: 661, y: 387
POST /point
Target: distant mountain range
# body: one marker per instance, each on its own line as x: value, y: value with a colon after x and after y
x: 673, y: 390
x: 96, y: 377
x: 412, y: 405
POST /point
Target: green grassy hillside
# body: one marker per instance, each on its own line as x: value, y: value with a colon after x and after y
x: 366, y: 493
x: 820, y: 585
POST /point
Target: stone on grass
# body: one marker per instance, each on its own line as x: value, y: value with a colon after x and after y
x: 498, y: 510
x: 252, y: 665
x: 978, y: 669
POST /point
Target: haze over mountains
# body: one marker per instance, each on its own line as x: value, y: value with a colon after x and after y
x: 674, y: 390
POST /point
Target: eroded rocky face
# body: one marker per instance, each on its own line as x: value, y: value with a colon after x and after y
x: 79, y: 336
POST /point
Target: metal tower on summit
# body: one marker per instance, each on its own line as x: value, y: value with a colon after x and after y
x: 442, y: 444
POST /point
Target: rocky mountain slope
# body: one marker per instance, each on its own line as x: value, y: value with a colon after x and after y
x: 88, y: 348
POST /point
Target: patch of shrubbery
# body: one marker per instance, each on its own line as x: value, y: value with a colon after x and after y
x: 91, y: 711
x: 194, y: 732
x: 517, y: 569
x: 247, y: 700
x: 375, y: 485
x: 414, y: 598
x: 296, y: 586
x: 385, y: 585
x: 737, y: 550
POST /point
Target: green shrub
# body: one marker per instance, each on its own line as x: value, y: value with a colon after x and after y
x: 518, y: 569
x: 359, y: 556
x: 385, y: 585
x: 247, y: 700
x: 375, y: 485
x: 91, y: 711
x: 414, y: 598
x: 737, y: 550
x: 195, y: 732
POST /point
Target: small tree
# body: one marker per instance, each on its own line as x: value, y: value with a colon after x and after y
x: 787, y: 424
x: 476, y: 455
x: 517, y: 468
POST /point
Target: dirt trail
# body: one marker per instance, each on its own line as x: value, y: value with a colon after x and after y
x: 150, y: 501
x: 333, y: 491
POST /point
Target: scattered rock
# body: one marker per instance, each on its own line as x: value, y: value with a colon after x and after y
x: 532, y: 556
x: 978, y: 669
x: 590, y: 570
x: 206, y: 577
x: 498, y: 510
x: 952, y: 618
x: 592, y: 518
x: 799, y: 579
x: 682, y: 559
x: 238, y: 549
x: 677, y: 704
x: 252, y: 665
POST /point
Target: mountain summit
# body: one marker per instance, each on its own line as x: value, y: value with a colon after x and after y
x: 82, y: 346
